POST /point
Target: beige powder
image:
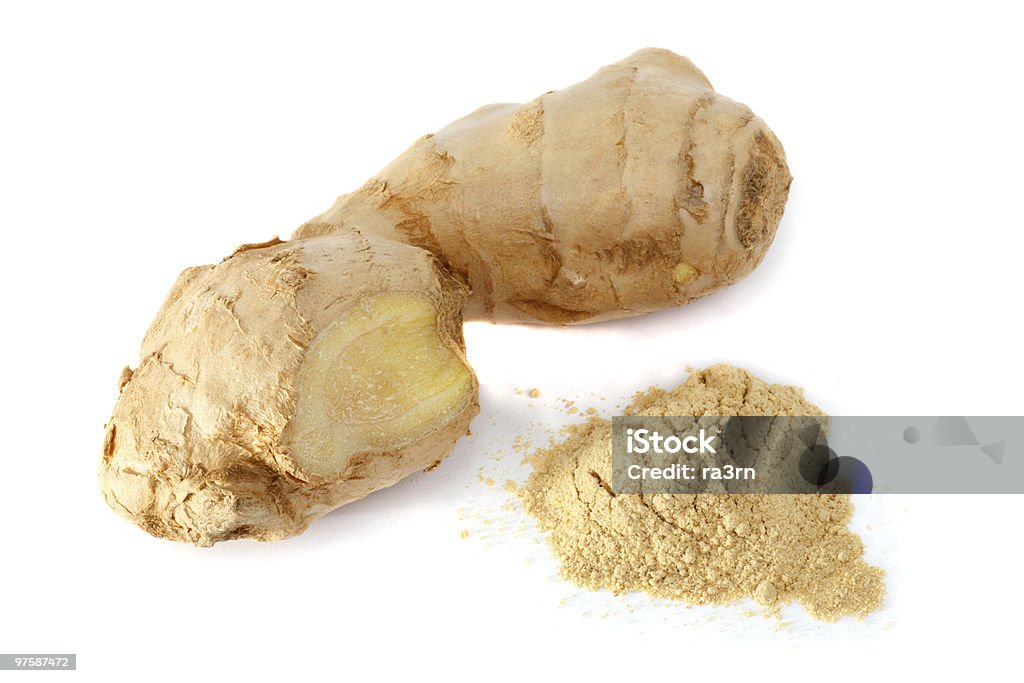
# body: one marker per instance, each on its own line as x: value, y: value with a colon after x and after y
x: 701, y: 549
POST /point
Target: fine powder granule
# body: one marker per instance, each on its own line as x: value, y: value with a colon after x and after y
x: 707, y: 548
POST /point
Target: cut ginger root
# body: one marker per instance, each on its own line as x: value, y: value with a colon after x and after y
x: 294, y: 377
x: 284, y: 382
x: 376, y: 379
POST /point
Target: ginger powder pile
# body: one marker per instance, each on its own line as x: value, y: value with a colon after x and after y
x: 700, y: 549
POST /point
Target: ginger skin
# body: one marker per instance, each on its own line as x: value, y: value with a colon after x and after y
x: 297, y: 376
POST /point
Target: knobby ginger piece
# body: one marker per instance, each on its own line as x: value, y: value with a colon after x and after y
x: 285, y: 381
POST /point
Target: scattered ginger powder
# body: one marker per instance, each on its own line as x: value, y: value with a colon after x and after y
x: 700, y: 549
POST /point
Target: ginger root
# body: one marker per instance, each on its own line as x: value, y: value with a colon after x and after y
x: 284, y: 382
x: 297, y: 376
x: 638, y: 189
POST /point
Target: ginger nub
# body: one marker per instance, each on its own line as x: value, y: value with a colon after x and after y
x: 375, y: 380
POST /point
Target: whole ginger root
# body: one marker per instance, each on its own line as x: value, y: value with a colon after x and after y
x: 638, y: 189
x: 297, y: 376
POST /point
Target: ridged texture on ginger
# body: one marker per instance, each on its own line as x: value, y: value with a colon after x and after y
x: 194, y: 450
x: 638, y: 189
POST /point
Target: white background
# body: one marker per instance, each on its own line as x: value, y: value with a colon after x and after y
x: 136, y: 141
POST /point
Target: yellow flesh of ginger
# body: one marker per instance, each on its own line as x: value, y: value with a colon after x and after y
x: 683, y: 273
x: 379, y: 377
